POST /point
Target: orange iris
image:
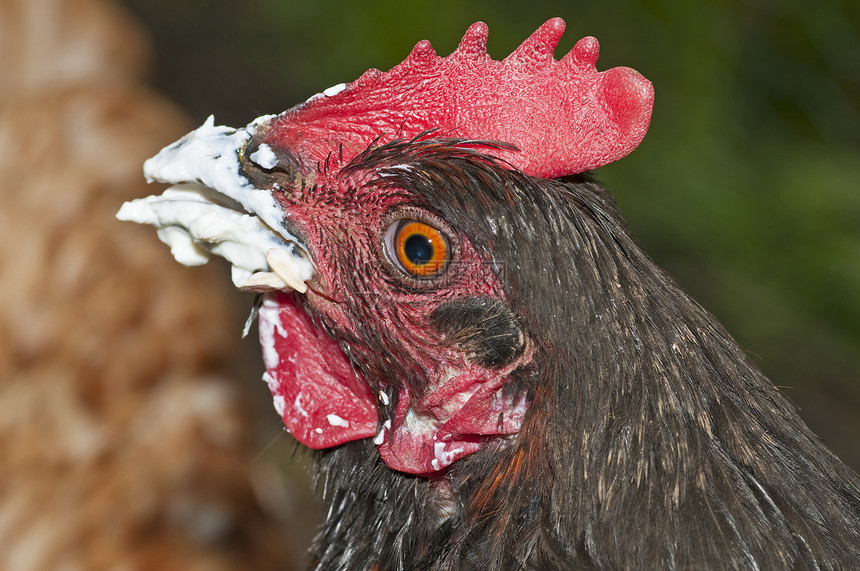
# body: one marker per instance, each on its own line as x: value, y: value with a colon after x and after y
x: 421, y: 249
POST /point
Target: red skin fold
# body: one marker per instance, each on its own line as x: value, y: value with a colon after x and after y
x: 309, y: 371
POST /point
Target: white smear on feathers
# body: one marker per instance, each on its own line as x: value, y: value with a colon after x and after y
x: 380, y: 437
x: 389, y: 171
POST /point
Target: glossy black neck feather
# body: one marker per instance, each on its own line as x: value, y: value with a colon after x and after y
x: 653, y: 441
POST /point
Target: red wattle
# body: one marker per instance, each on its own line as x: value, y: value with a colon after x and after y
x: 315, y: 389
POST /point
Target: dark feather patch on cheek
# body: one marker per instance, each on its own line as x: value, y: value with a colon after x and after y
x: 483, y: 328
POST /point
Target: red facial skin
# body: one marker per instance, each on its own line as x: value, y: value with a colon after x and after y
x: 440, y: 406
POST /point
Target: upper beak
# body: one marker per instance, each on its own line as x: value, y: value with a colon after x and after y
x: 211, y: 209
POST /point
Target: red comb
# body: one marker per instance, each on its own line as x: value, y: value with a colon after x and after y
x: 564, y: 116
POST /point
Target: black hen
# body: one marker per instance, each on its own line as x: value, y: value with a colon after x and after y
x: 497, y: 375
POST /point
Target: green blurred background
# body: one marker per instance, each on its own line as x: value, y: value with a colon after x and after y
x: 747, y: 187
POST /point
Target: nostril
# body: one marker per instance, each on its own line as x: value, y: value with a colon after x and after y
x: 264, y: 157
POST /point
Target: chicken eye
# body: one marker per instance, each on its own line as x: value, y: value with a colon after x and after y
x: 418, y: 248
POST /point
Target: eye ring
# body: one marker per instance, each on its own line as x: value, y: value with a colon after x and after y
x: 417, y: 248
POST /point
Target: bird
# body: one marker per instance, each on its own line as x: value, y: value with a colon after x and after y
x: 453, y: 313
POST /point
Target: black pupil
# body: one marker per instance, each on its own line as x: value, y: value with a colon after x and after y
x: 418, y: 249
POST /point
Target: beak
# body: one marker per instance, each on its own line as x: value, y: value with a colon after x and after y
x: 211, y: 209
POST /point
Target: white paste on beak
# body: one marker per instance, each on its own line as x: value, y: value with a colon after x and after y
x: 213, y: 210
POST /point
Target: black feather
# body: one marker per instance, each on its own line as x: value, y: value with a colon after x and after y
x: 652, y: 441
x: 484, y: 328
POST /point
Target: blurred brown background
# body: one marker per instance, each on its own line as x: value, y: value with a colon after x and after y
x: 134, y: 429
